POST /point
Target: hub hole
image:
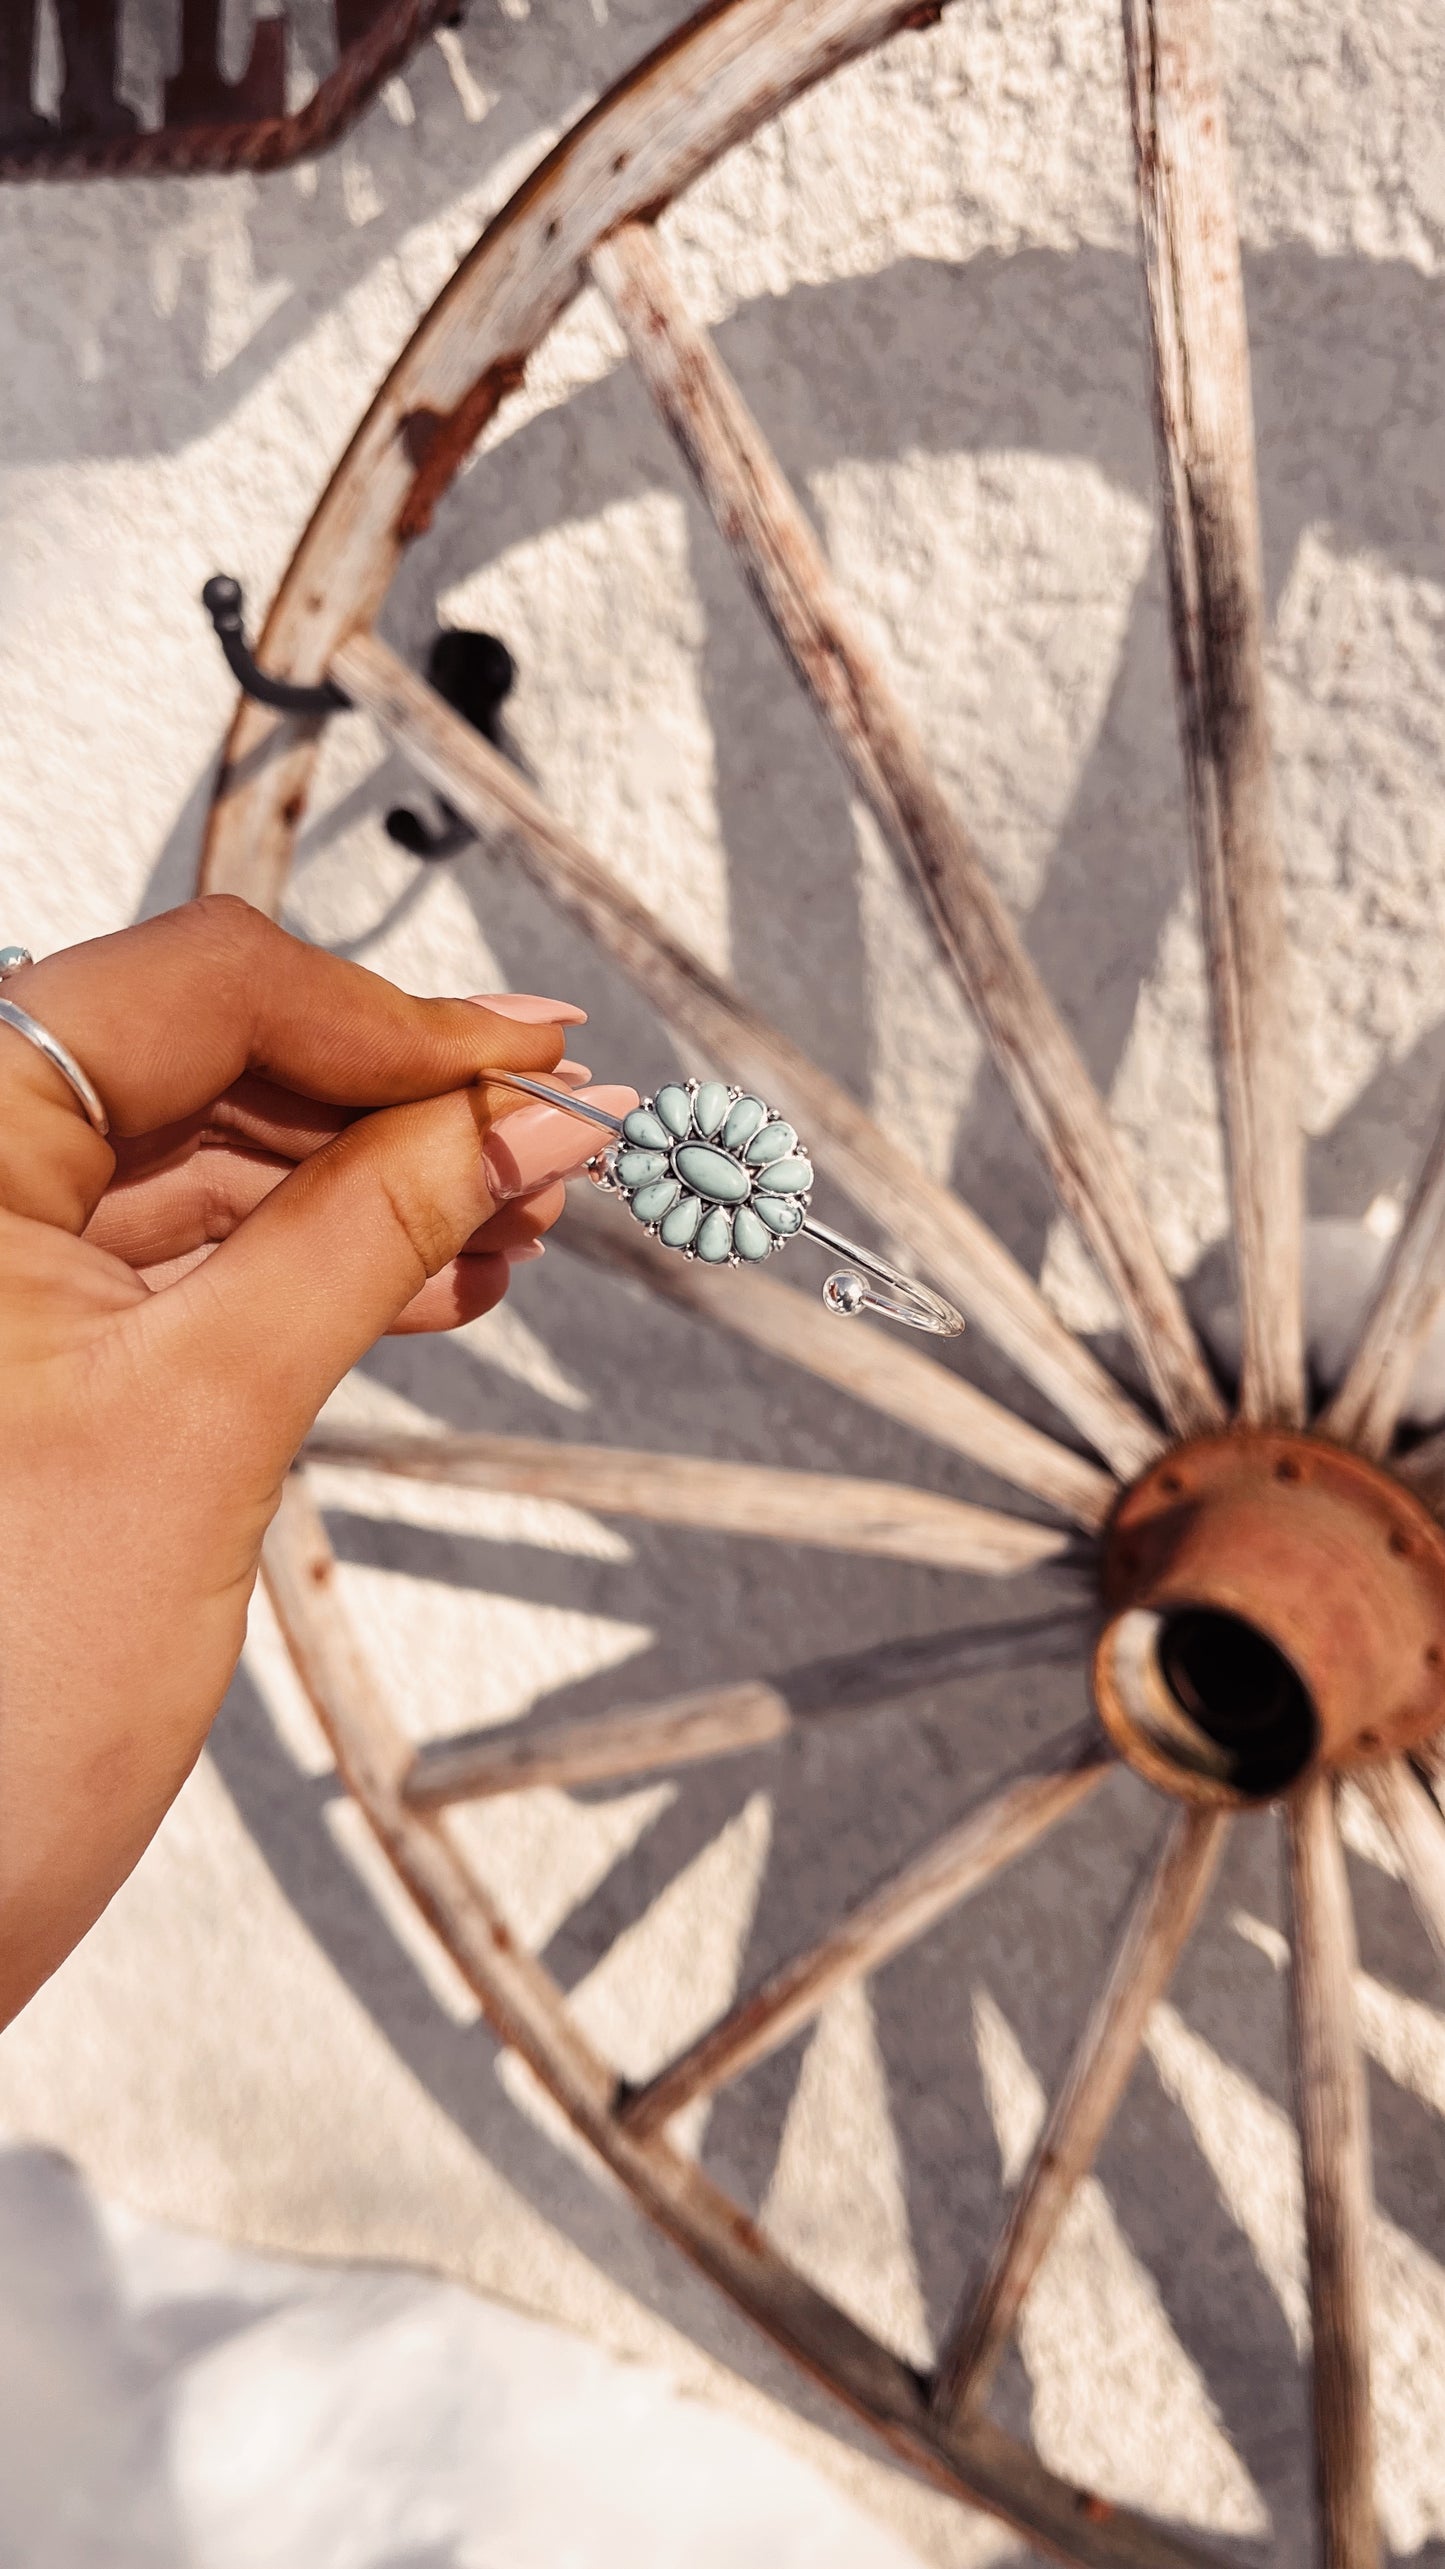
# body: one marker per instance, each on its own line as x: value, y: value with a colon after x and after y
x: 1230, y: 1682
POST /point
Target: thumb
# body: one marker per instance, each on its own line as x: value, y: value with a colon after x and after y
x: 265, y: 1329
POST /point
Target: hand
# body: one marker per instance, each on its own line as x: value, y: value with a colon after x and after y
x: 300, y: 1158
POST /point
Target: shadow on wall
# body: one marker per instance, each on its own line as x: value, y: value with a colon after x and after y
x: 122, y: 287
x: 1038, y: 353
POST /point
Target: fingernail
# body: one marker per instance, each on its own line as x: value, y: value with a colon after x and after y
x: 575, y: 1074
x: 527, y: 1255
x: 540, y: 1143
x: 526, y: 1009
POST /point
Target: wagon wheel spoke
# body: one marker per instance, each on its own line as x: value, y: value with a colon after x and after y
x: 721, y: 1721
x: 525, y: 2008
x: 1365, y: 1411
x: 761, y: 521
x: 1159, y: 1925
x: 892, y: 1917
x: 1205, y: 435
x: 864, y: 1160
x: 1335, y: 2147
x: 882, y: 1371
x: 1417, y: 1832
x: 837, y: 1515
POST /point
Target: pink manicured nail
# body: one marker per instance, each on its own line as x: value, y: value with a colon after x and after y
x: 573, y: 1074
x: 539, y: 1143
x: 527, y: 1255
x: 526, y: 1009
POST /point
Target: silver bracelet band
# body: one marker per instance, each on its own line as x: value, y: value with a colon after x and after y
x: 11, y: 959
x: 715, y: 1173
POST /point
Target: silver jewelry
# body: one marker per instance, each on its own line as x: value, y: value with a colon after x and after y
x: 718, y: 1175
x: 11, y: 959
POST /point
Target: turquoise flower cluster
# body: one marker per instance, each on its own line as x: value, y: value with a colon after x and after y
x: 712, y: 1171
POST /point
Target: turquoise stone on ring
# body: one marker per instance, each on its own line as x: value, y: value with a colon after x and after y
x: 711, y: 1171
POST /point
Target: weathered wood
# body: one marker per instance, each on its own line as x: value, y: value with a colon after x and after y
x: 875, y: 1366
x: 526, y: 2009
x: 1205, y: 434
x: 1423, y: 1470
x: 1365, y: 1410
x: 901, y: 1909
x: 832, y: 1512
x: 704, y: 89
x: 721, y: 1721
x: 1417, y: 1832
x: 1335, y: 2145
x: 1428, y: 1759
x: 1159, y: 1926
x: 962, y: 1253
x: 761, y: 521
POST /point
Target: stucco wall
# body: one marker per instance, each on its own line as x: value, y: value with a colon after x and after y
x: 925, y: 279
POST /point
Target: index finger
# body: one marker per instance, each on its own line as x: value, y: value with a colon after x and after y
x: 167, y: 1015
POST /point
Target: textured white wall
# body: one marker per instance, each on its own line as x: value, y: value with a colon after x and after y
x: 925, y: 280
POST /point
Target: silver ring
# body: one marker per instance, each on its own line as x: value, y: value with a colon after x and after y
x: 11, y: 959
x: 717, y: 1174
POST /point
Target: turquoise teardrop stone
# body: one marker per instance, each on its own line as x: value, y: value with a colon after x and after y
x: 786, y: 1177
x: 651, y: 1202
x: 779, y: 1212
x: 646, y: 1129
x: 674, y: 1106
x: 711, y: 1173
x: 636, y: 1167
x: 750, y: 1237
x: 773, y: 1143
x: 715, y: 1239
x: 711, y: 1106
x: 679, y: 1225
x: 744, y: 1121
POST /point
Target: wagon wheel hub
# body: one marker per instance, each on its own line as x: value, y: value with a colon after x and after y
x: 1274, y: 1602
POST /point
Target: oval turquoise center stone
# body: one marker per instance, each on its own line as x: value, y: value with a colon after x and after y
x: 710, y: 1173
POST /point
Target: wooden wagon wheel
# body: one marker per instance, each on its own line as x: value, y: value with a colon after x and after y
x: 1269, y: 1603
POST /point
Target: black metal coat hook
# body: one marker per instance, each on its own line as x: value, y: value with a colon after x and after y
x: 474, y: 672
x: 221, y: 597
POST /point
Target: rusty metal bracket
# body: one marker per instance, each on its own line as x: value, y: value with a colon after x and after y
x: 208, y: 122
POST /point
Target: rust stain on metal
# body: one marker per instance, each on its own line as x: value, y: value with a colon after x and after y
x: 1098, y: 2510
x: 1333, y: 1563
x: 437, y: 442
x: 210, y: 123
